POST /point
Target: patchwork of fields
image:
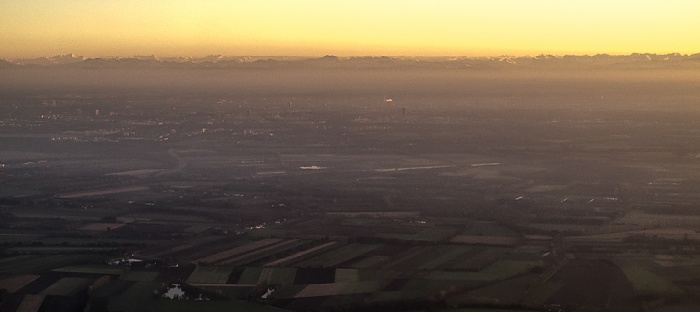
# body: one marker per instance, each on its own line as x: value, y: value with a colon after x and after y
x: 532, y: 200
x: 475, y: 263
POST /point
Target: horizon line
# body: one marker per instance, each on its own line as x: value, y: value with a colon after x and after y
x: 338, y: 56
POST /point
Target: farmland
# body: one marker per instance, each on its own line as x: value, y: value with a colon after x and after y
x: 570, y: 198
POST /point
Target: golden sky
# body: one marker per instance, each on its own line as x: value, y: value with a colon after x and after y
x: 96, y: 28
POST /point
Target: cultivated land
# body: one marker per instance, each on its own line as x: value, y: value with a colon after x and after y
x: 526, y: 194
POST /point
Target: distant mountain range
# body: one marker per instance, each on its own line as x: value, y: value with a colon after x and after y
x: 600, y: 61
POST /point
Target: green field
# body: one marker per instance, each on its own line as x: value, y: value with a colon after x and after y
x: 347, y: 275
x: 276, y: 276
x: 441, y: 255
x: 250, y: 276
x: 505, y: 269
x: 429, y: 257
x: 67, y: 286
x: 645, y: 282
x: 413, y: 258
x: 51, y: 250
x: 434, y: 234
x: 114, y: 288
x: 377, y: 274
x: 335, y: 257
x: 480, y: 260
x: 528, y: 252
x: 361, y: 287
x: 40, y: 264
x: 210, y: 275
x: 505, y: 293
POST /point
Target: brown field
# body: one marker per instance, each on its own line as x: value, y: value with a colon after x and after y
x: 592, y: 283
x: 375, y: 214
x: 534, y: 237
x: 485, y: 240
x: 666, y: 233
x: 334, y: 289
x: 237, y: 250
x: 643, y: 219
x: 300, y: 254
x: 319, y: 290
x: 66, y: 286
x: 259, y: 251
x: 101, y: 226
x: 136, y: 173
x: 31, y: 303
x: 13, y: 284
x: 665, y: 263
x: 542, y: 188
x: 116, y: 190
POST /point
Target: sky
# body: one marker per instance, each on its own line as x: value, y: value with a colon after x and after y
x: 103, y: 28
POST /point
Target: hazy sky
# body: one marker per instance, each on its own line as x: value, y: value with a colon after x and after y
x: 31, y: 28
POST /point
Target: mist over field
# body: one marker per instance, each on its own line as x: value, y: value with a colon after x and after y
x: 664, y: 89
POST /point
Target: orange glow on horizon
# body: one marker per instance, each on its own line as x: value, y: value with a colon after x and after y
x: 35, y: 28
